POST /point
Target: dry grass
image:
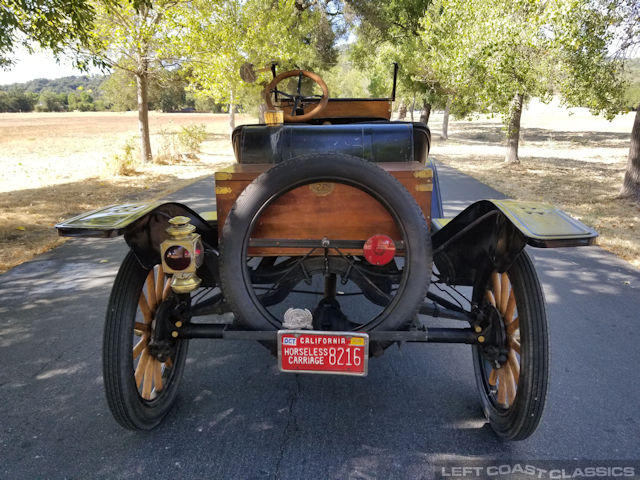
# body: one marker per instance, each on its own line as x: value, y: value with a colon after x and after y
x: 54, y: 166
x: 568, y: 158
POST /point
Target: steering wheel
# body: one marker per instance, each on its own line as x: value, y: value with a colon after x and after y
x: 297, y: 98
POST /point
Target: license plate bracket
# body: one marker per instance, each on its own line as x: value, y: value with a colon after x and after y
x: 323, y: 352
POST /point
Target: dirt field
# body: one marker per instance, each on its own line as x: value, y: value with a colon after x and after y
x: 568, y: 158
x: 54, y: 167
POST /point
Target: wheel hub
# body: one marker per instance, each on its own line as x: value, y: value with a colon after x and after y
x: 494, y: 347
x: 162, y: 345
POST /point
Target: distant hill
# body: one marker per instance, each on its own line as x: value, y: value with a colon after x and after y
x: 59, y: 85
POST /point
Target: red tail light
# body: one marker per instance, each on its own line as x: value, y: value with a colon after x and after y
x: 379, y: 250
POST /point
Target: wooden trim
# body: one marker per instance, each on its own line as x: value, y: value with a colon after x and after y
x: 309, y: 211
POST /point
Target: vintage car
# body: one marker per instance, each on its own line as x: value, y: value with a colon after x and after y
x: 328, y: 245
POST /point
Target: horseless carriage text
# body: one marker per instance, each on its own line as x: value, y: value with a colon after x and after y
x: 328, y: 244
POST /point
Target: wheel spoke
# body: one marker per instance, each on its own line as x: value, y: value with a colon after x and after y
x: 513, y: 326
x: 144, y: 308
x: 142, y: 365
x: 166, y: 290
x: 299, y: 84
x: 143, y: 327
x: 504, y: 293
x: 511, y: 308
x: 148, y: 379
x: 283, y: 94
x: 514, y: 365
x: 495, y: 279
x: 157, y: 376
x: 502, y: 388
x: 140, y: 346
x: 160, y: 284
x: 509, y: 385
x: 514, y: 344
x: 151, y: 290
x: 490, y: 297
x: 493, y: 377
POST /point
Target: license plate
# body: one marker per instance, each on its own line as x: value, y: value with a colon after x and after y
x: 308, y: 351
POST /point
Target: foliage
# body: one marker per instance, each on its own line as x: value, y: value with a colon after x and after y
x: 632, y: 92
x: 167, y: 91
x: 17, y: 100
x: 191, y: 137
x: 119, y: 91
x: 51, y: 102
x: 128, y: 37
x: 82, y: 101
x: 60, y: 85
x: 49, y: 23
x: 124, y: 163
x: 217, y: 38
x: 490, y: 50
x: 185, y: 143
x: 345, y: 80
x: 394, y: 28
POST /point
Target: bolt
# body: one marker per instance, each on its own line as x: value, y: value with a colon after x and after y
x: 178, y: 324
x: 481, y: 339
x: 174, y: 334
x: 478, y: 328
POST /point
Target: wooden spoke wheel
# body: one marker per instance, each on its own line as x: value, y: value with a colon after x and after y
x: 513, y: 389
x: 140, y: 389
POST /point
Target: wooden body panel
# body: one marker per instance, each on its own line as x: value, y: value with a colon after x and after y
x: 347, y: 108
x: 318, y: 210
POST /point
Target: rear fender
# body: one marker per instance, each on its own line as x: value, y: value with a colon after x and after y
x: 143, y: 226
x: 490, y: 234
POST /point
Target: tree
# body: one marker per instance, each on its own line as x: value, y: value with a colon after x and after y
x: 48, y: 23
x: 51, y: 102
x: 217, y: 38
x: 631, y: 182
x: 393, y: 29
x: 496, y: 54
x: 128, y: 37
x: 628, y: 30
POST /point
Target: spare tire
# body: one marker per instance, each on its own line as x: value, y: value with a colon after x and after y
x: 235, y: 273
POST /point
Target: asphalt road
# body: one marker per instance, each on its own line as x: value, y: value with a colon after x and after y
x: 238, y: 417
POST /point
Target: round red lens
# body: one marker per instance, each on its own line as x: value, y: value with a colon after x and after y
x: 379, y: 250
x: 177, y: 257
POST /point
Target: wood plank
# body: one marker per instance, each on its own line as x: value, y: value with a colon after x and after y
x: 309, y: 212
x: 347, y: 108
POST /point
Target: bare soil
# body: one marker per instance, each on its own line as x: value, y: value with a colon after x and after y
x: 54, y: 166
x: 568, y: 157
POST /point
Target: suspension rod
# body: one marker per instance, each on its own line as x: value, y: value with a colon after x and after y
x: 431, y: 335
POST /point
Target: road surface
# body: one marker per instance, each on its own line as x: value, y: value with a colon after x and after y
x: 238, y: 417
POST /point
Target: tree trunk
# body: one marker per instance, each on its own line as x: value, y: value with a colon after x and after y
x: 426, y: 112
x: 445, y: 121
x: 413, y: 106
x: 402, y: 111
x: 631, y: 184
x: 142, y: 84
x: 513, y: 131
x: 232, y: 114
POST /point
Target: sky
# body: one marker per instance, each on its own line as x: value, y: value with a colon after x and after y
x: 39, y: 65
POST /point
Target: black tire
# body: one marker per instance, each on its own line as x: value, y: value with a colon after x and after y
x: 124, y: 396
x: 337, y: 168
x: 516, y: 417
